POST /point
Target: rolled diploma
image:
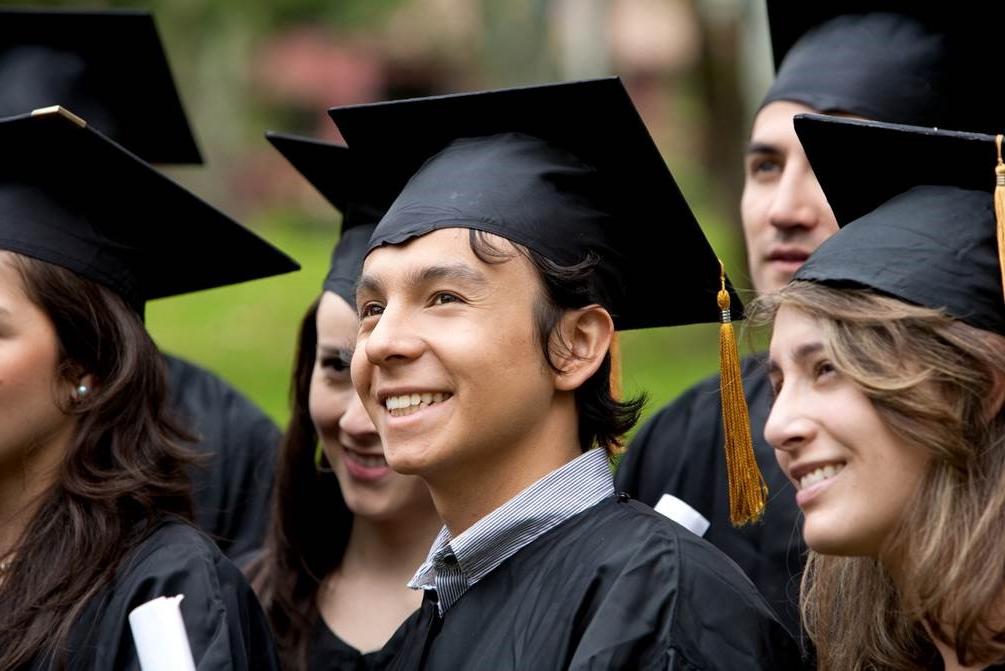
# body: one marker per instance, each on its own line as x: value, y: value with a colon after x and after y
x: 159, y: 634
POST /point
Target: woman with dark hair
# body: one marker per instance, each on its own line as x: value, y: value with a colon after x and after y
x: 347, y: 531
x: 888, y: 364
x: 94, y: 500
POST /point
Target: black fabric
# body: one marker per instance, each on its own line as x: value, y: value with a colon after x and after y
x: 328, y: 652
x: 679, y: 451
x: 330, y: 168
x: 568, y: 170
x: 895, y: 60
x: 615, y: 587
x: 72, y: 197
x: 347, y: 263
x: 233, y: 487
x: 108, y: 66
x: 879, y: 65
x: 225, y: 625
x: 916, y: 211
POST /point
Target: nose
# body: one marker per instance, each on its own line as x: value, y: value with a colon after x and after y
x: 788, y: 428
x: 799, y: 202
x: 355, y: 425
x: 393, y: 339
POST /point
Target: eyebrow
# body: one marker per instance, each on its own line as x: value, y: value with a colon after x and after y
x: 801, y: 354
x: 369, y: 283
x: 452, y: 271
x: 762, y: 148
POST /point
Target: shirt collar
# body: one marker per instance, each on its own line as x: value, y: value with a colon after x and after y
x: 454, y: 565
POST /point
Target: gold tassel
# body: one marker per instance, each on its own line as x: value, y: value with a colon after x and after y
x: 616, y: 388
x: 747, y: 490
x: 615, y: 380
x: 1000, y: 207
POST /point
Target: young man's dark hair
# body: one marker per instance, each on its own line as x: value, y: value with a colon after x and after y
x: 486, y: 371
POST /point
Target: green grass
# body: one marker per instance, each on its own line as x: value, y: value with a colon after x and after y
x: 246, y: 333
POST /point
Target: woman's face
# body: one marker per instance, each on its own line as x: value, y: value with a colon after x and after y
x: 351, y: 444
x: 854, y: 477
x: 32, y: 397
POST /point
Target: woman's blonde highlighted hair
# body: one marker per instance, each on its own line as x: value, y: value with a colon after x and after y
x: 936, y: 382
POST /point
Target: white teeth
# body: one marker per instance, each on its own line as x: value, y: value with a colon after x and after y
x: 406, y: 404
x: 819, y: 475
x: 367, y: 460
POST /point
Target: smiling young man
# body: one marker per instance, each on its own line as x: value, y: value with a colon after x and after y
x: 493, y: 287
x: 888, y: 66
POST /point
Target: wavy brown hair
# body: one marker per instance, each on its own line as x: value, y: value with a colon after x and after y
x: 310, y: 524
x: 936, y: 383
x: 123, y: 471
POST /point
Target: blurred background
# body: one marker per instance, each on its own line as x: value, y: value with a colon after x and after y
x: 696, y: 69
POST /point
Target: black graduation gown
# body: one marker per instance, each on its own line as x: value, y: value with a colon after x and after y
x: 680, y: 451
x: 231, y: 491
x: 226, y: 627
x: 617, y: 586
x: 328, y: 652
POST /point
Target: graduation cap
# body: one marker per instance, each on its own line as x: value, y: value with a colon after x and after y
x: 921, y: 212
x: 330, y: 169
x: 892, y: 60
x: 71, y: 197
x: 107, y: 66
x: 569, y: 171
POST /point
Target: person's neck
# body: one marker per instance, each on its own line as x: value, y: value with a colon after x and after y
x: 23, y: 484
x: 392, y: 548
x: 949, y: 661
x: 465, y: 495
x: 894, y: 566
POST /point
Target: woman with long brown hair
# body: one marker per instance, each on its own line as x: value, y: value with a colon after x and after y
x: 94, y: 500
x: 888, y: 363
x: 347, y: 532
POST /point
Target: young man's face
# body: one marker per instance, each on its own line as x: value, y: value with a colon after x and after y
x: 448, y: 362
x: 784, y: 211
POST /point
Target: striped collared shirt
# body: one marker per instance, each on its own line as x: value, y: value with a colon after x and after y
x: 454, y: 565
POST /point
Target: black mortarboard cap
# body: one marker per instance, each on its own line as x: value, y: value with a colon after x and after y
x: 72, y: 197
x: 108, y: 66
x: 890, y: 60
x: 330, y: 169
x: 917, y: 215
x: 568, y: 170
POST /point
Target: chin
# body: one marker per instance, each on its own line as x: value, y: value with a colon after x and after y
x: 404, y: 463
x: 837, y: 544
x: 366, y: 507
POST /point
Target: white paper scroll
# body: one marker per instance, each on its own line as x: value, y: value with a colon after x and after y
x: 159, y: 634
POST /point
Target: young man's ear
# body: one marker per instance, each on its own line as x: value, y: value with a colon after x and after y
x: 580, y: 343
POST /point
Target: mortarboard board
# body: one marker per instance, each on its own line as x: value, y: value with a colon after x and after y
x: 72, y: 197
x: 330, y: 169
x: 572, y: 171
x: 917, y: 214
x: 107, y: 66
x: 891, y: 60
x: 569, y: 171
